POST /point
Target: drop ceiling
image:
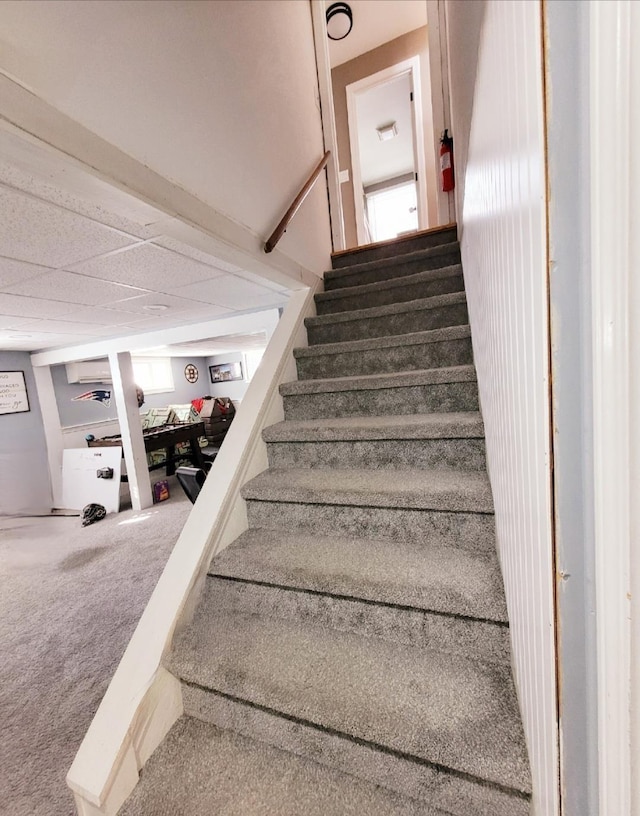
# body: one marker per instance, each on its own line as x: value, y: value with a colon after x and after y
x: 80, y: 262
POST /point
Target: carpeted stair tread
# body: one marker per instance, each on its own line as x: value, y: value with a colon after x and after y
x: 424, y: 239
x: 467, y: 425
x: 202, y: 769
x: 455, y: 491
x: 439, y: 708
x: 336, y: 277
x: 421, y: 304
x: 381, y: 343
x: 365, y: 382
x: 394, y: 286
x: 407, y: 574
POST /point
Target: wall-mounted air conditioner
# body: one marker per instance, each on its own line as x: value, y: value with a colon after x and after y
x: 89, y: 371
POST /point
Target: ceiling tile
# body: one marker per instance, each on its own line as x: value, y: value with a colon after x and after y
x: 42, y: 233
x: 101, y: 316
x: 140, y: 305
x: 17, y: 271
x: 195, y: 254
x: 11, y: 322
x: 149, y: 267
x: 233, y: 292
x: 72, y: 288
x: 73, y: 189
x: 203, y: 313
x: 34, y: 341
x: 67, y: 327
x: 18, y: 306
x: 152, y: 323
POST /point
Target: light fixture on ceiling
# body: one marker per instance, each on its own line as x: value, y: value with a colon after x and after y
x: 156, y: 307
x: 339, y: 21
x: 386, y: 132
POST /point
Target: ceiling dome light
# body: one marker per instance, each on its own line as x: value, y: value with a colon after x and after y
x: 339, y: 21
x: 156, y: 307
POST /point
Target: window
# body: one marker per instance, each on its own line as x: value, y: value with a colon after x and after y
x: 392, y: 212
x: 153, y: 374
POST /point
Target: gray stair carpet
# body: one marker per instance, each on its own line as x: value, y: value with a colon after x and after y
x: 350, y: 651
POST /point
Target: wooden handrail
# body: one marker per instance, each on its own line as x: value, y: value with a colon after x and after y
x: 280, y: 230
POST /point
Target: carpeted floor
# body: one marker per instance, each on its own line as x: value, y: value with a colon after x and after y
x: 70, y: 598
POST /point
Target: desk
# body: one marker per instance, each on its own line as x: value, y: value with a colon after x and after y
x: 165, y: 437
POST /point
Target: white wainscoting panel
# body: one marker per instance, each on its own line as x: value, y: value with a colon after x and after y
x: 503, y: 236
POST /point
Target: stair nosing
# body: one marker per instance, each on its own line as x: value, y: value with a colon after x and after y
x: 310, y: 489
x: 450, y: 271
x: 419, y: 304
x: 432, y: 426
x: 359, y: 599
x: 428, y: 336
x: 394, y: 260
x: 387, y: 749
x: 370, y: 382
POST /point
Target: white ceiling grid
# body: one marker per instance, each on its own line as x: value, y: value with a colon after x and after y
x: 59, y: 252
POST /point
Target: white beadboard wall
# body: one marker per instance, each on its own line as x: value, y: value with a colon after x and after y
x: 503, y: 237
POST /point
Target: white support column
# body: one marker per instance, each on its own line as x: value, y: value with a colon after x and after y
x: 52, y: 429
x: 135, y: 456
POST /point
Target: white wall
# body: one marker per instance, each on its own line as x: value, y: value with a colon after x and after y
x: 504, y: 260
x: 218, y: 97
x: 567, y: 32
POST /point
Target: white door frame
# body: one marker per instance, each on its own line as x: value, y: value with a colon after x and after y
x: 440, y: 101
x: 615, y: 247
x: 325, y: 90
x: 412, y: 67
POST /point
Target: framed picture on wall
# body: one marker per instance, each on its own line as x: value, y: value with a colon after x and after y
x: 13, y: 393
x: 226, y: 372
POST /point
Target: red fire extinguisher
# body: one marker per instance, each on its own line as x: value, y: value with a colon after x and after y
x: 446, y: 162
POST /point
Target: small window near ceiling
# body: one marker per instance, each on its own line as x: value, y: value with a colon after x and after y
x: 251, y: 362
x: 153, y: 374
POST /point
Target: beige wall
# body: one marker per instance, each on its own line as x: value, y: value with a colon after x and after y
x: 220, y: 98
x: 402, y: 48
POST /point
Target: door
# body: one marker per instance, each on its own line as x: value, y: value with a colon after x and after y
x: 387, y: 155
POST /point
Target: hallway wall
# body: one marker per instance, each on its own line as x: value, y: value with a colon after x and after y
x: 505, y: 268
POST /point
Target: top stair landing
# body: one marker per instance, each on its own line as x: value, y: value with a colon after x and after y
x: 423, y: 239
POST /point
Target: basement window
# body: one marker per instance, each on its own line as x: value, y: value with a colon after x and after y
x: 153, y: 374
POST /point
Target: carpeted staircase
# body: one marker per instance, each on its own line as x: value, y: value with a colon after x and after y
x: 350, y: 652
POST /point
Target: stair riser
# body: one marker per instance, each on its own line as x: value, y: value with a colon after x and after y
x: 470, y: 531
x: 387, y: 325
x: 455, y: 454
x: 391, y: 250
x: 478, y: 640
x: 386, y: 361
x: 414, y: 399
x: 457, y: 795
x: 384, y: 297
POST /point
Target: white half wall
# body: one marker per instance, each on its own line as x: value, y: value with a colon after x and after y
x: 505, y: 269
x: 220, y: 98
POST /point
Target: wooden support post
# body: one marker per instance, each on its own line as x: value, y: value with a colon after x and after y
x: 135, y: 456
